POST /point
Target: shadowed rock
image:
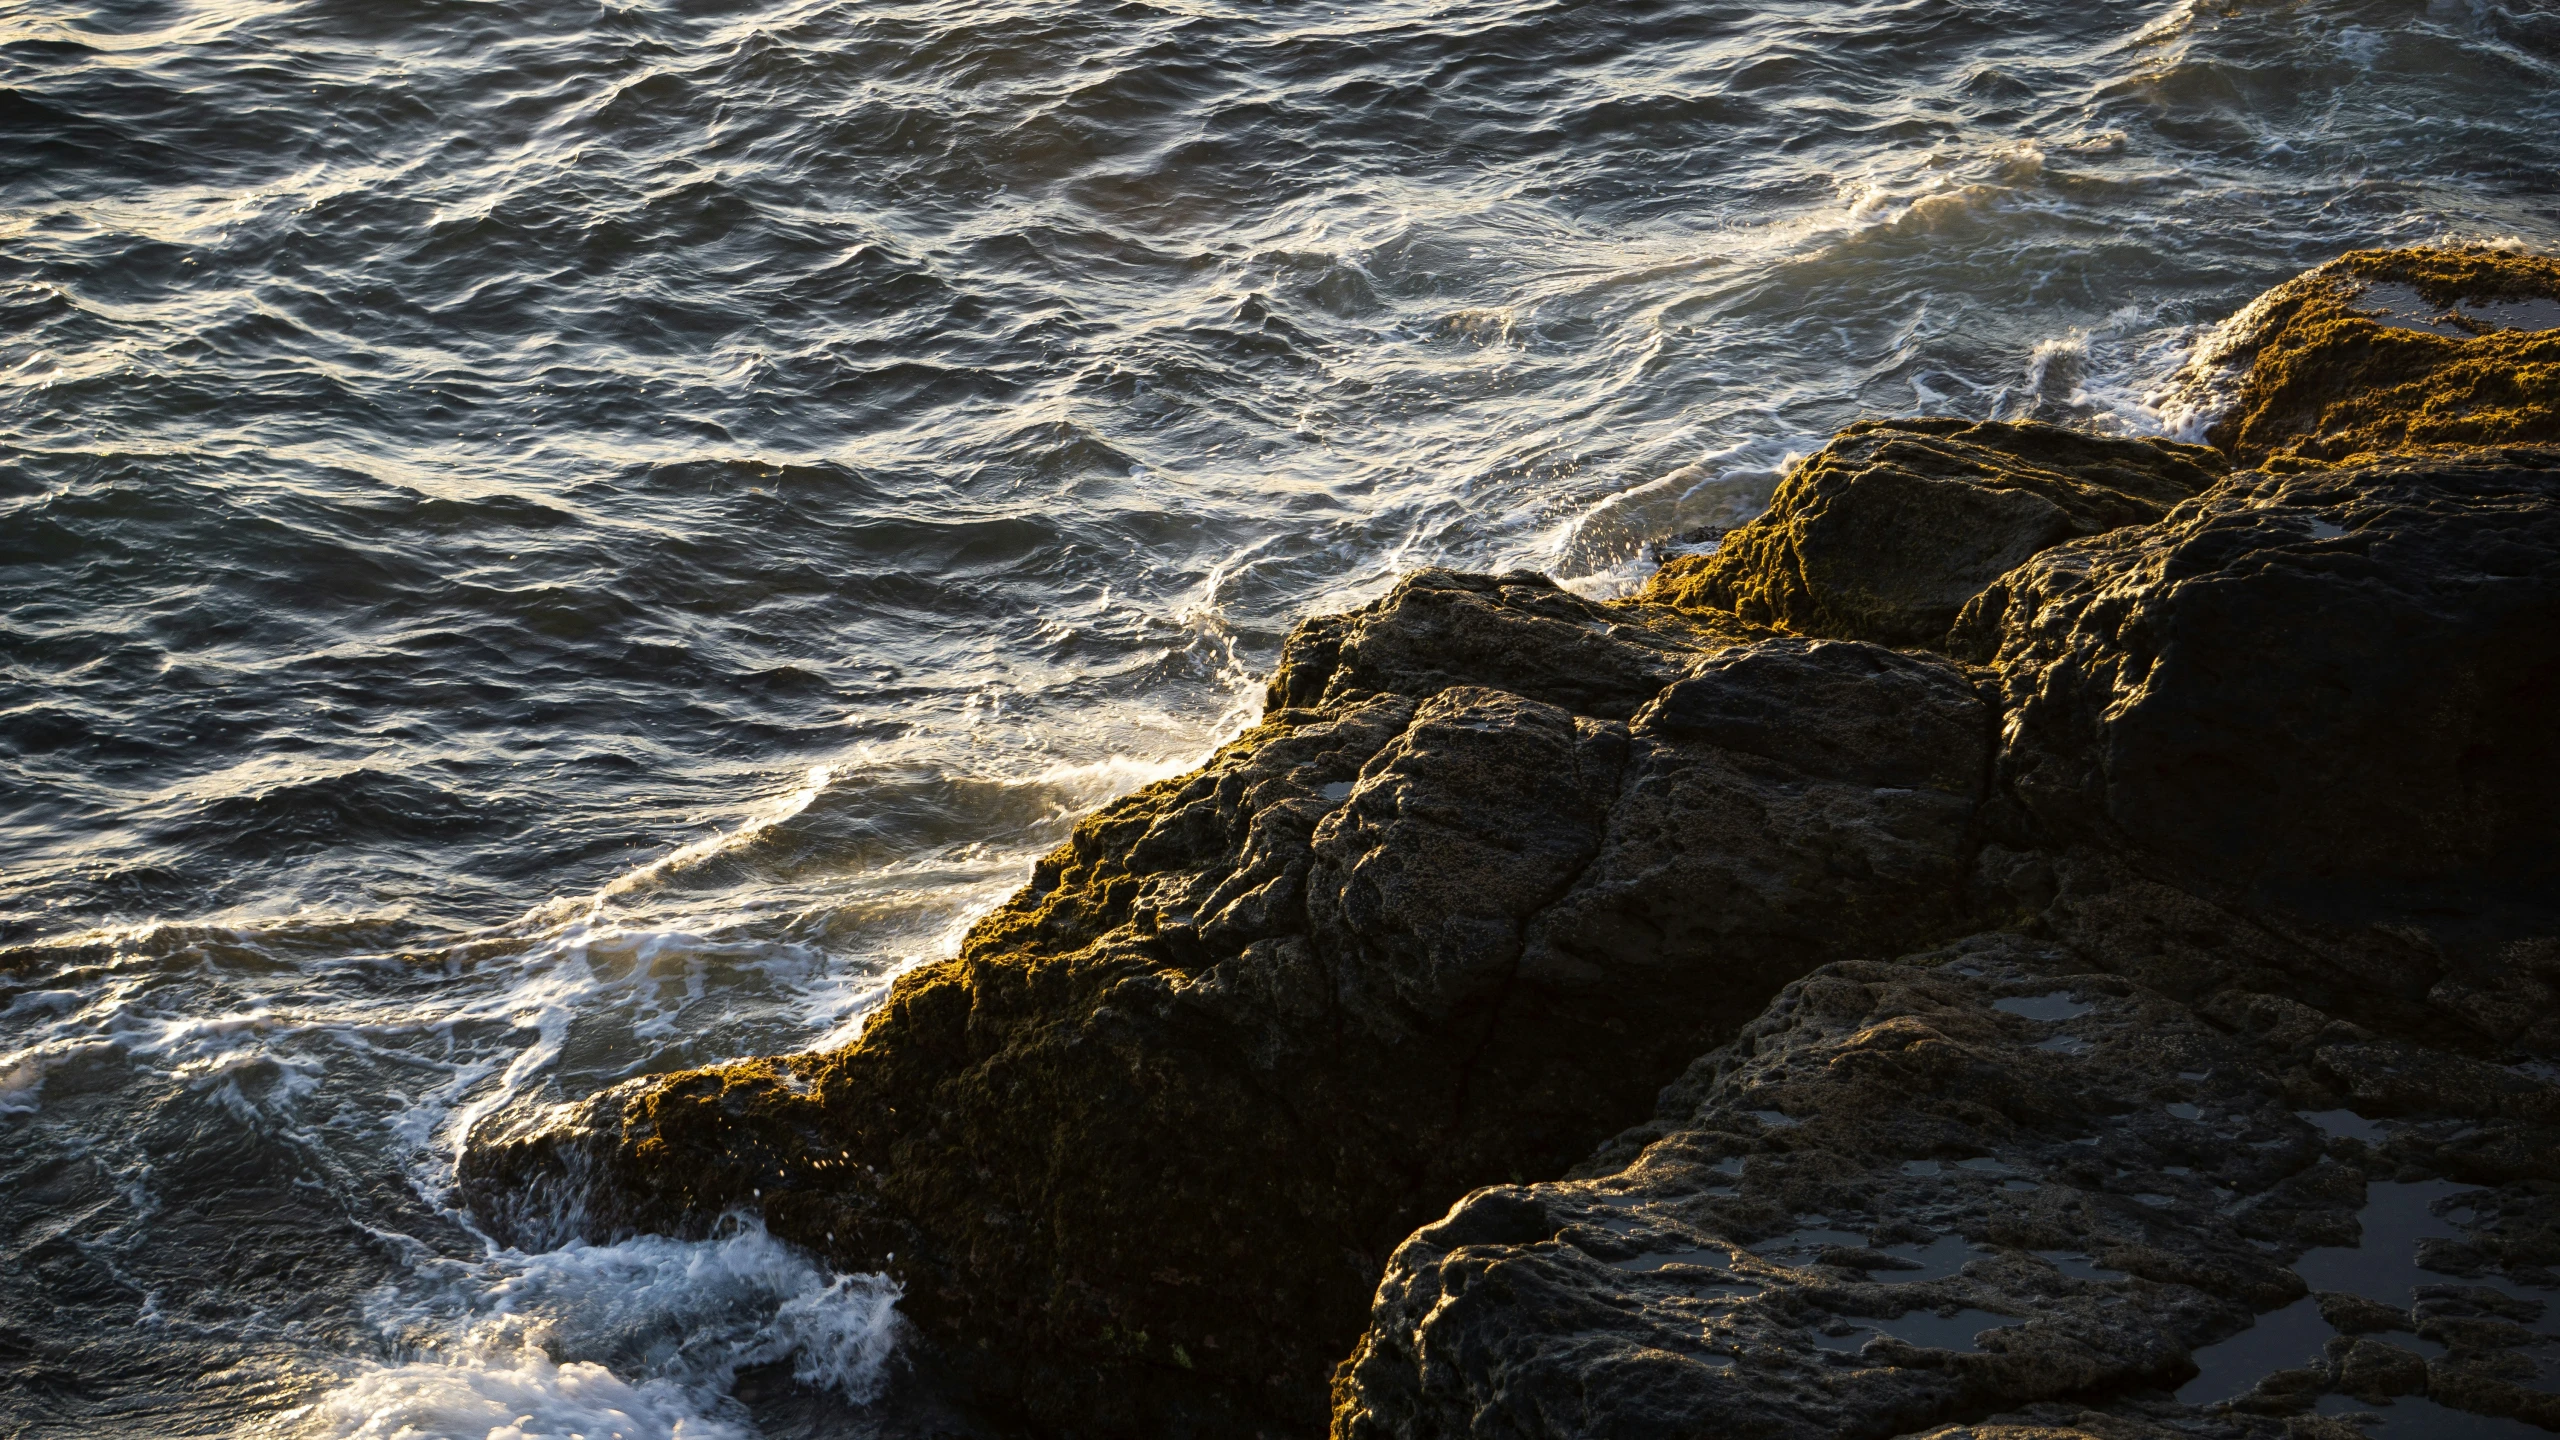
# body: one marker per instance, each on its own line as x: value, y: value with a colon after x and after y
x: 1980, y: 1182
x: 2042, y: 1198
x: 2274, y: 821
x: 1887, y: 531
x: 2329, y: 691
x: 2259, y: 777
x: 1495, y: 866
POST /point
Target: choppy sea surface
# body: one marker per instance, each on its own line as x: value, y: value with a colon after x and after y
x: 546, y: 542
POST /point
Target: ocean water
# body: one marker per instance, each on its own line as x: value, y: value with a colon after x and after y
x: 546, y: 542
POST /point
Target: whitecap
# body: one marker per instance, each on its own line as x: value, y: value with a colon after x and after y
x: 643, y: 1338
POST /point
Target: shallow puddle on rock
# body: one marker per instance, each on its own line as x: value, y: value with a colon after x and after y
x: 1336, y: 792
x: 1936, y: 1260
x: 2066, y: 1045
x: 2055, y: 1006
x: 2077, y: 1265
x: 2383, y: 1264
x: 1777, y: 1119
x: 2382, y: 1267
x: 2402, y: 307
x: 2284, y: 1339
x: 1705, y: 1257
x: 1817, y: 1239
x: 2345, y: 1124
x: 2413, y: 1417
x: 1799, y: 1246
x: 2515, y: 314
x: 1924, y: 1328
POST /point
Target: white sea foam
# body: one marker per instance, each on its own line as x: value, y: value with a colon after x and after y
x: 528, y: 1398
x: 1606, y: 550
x: 639, y: 1339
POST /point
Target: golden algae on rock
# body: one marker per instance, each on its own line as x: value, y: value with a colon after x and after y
x: 2384, y: 350
x: 1888, y: 530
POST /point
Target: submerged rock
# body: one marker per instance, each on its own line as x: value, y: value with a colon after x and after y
x: 1496, y: 864
x: 1885, y: 533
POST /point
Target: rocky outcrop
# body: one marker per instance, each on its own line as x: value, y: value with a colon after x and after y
x: 2202, y: 809
x: 2327, y: 692
x: 2384, y: 350
x: 1495, y: 866
x: 1888, y: 531
x: 1984, y: 1185
x: 2272, y: 842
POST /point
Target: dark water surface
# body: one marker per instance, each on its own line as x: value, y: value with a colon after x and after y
x: 541, y: 542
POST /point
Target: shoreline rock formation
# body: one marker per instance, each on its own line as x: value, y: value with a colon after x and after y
x: 2256, y: 765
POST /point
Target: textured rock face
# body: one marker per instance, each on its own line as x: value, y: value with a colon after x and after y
x: 2331, y: 691
x: 1496, y: 865
x: 2382, y: 350
x: 1891, y: 528
x: 1977, y: 1183
x: 2274, y: 828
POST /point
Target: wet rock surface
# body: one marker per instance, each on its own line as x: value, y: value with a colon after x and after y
x: 2238, y: 1124
x: 2165, y: 944
x: 1983, y: 1184
x: 1885, y: 533
x: 2330, y: 690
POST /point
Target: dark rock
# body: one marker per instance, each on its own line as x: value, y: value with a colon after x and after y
x: 2276, y: 793
x: 2375, y: 1370
x: 1494, y: 868
x: 1515, y: 632
x: 1887, y: 531
x: 2355, y: 1315
x: 2325, y: 693
x: 2086, y: 1233
x: 2502, y: 1383
x: 2263, y: 828
x: 2104, y: 1182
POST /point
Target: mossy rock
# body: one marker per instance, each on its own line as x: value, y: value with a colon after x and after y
x: 2392, y: 350
x: 1887, y: 531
